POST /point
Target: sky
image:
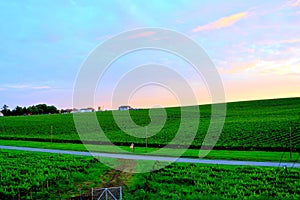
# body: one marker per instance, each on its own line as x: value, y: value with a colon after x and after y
x: 255, y: 46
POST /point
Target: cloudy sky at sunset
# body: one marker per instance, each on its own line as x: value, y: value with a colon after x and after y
x: 255, y: 46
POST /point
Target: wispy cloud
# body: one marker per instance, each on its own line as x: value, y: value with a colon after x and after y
x: 223, y: 22
x: 239, y: 67
x: 261, y: 66
x: 295, y: 3
x: 41, y: 87
x: 143, y: 34
x: 293, y: 74
x: 288, y: 41
x: 26, y: 87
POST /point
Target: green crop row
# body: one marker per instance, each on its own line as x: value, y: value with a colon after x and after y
x: 191, y: 181
x: 257, y: 125
x: 53, y: 176
x: 46, y: 176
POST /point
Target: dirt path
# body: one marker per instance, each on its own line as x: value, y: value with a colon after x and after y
x: 118, y: 177
x: 113, y: 177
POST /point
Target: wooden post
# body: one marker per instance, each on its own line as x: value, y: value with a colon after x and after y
x: 291, y: 149
x: 51, y: 133
x: 146, y: 138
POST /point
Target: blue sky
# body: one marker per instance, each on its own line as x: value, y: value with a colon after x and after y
x: 255, y: 45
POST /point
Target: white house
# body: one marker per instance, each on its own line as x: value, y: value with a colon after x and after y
x: 1, y: 114
x: 125, y: 108
x: 86, y: 110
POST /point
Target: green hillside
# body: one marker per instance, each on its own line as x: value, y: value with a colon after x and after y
x: 249, y: 125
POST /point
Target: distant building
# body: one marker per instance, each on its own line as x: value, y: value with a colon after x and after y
x: 1, y: 114
x: 125, y: 108
x: 74, y: 110
x: 86, y: 110
x: 69, y: 110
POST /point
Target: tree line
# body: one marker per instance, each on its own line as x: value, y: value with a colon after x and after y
x: 30, y: 110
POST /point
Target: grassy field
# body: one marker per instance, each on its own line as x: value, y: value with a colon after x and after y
x: 262, y: 125
x: 194, y: 153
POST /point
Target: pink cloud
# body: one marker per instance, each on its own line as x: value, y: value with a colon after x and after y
x: 223, y: 22
x: 143, y: 34
x: 263, y: 66
x: 288, y: 41
x: 239, y: 67
x: 295, y: 3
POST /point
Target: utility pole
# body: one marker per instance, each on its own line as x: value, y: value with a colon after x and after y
x: 146, y: 138
x: 291, y: 149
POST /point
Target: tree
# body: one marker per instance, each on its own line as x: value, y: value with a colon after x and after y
x: 5, y: 107
x: 24, y: 110
x: 42, y: 108
x: 18, y: 111
x: 5, y: 110
x: 52, y: 109
x: 33, y: 110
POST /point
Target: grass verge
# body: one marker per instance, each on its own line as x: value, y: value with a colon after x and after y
x: 193, y: 153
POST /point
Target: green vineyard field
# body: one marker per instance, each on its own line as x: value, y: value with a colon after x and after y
x: 250, y: 125
x: 46, y: 176
x: 191, y: 181
x: 27, y: 175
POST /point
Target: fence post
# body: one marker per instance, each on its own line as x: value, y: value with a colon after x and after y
x: 120, y: 193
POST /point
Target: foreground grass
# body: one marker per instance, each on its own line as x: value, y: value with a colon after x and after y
x: 193, y: 181
x: 34, y: 175
x: 194, y: 153
x: 53, y: 176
